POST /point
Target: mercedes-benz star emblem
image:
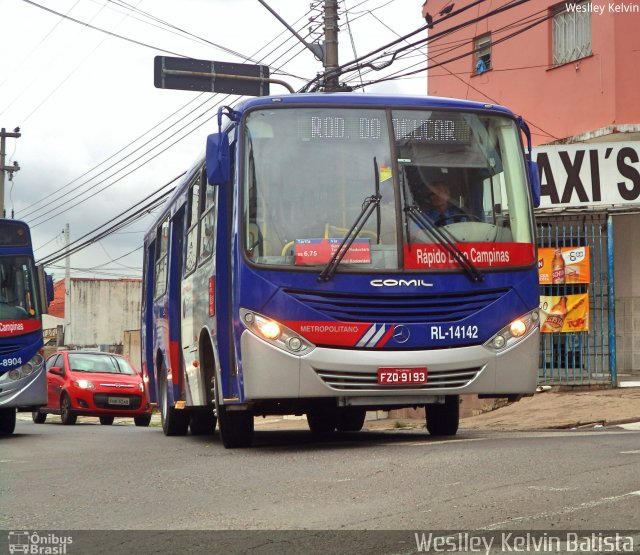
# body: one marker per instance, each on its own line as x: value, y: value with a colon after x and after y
x: 401, y: 334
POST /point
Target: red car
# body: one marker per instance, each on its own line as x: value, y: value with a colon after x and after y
x: 98, y: 384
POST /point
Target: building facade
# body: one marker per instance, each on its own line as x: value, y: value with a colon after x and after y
x: 98, y: 312
x: 572, y: 70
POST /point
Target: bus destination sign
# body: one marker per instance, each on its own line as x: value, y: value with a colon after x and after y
x: 435, y: 130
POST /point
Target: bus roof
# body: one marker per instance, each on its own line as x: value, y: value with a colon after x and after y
x: 378, y: 100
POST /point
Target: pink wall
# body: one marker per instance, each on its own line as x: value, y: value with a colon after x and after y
x: 597, y: 91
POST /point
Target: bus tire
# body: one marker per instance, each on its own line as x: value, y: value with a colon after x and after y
x: 7, y: 421
x: 202, y: 423
x: 236, y: 427
x: 350, y: 419
x: 174, y: 422
x: 106, y: 420
x: 142, y: 420
x: 38, y: 417
x: 443, y: 418
x: 67, y: 416
x: 322, y: 421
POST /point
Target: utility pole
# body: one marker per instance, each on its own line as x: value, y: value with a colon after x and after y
x: 327, y: 52
x: 3, y: 168
x: 331, y: 45
x: 67, y: 288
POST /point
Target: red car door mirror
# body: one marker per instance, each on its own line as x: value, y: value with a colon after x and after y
x: 56, y: 370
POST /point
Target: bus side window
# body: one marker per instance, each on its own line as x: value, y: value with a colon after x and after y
x: 162, y: 245
x: 207, y: 217
x: 193, y: 211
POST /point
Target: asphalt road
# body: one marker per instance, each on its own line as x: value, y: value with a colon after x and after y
x: 92, y: 477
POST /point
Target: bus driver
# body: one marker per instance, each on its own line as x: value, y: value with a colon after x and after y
x: 440, y: 210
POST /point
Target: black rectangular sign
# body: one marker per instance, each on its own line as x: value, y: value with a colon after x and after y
x: 222, y: 77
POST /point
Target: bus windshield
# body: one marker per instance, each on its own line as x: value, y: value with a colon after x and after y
x: 17, y: 289
x: 308, y: 173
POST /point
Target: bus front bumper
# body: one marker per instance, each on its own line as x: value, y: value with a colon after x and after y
x: 352, y: 375
x: 28, y: 391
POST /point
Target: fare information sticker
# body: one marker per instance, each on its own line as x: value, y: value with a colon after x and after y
x: 320, y: 251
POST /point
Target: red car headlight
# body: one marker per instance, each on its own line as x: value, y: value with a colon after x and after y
x: 84, y: 384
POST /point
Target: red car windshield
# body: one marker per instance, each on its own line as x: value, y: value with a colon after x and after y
x: 98, y: 363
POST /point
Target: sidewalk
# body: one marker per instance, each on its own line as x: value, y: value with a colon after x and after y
x: 563, y: 409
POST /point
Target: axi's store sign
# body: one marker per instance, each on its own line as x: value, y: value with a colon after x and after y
x: 589, y: 174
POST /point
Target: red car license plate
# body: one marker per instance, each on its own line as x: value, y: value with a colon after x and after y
x: 118, y: 401
x: 402, y: 376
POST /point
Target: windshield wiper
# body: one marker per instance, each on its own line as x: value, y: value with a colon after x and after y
x: 426, y: 224
x: 368, y: 206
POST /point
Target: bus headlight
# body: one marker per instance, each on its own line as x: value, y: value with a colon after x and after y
x: 34, y: 365
x: 274, y: 332
x: 37, y: 360
x: 514, y: 332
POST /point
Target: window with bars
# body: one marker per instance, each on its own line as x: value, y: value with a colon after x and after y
x: 571, y: 30
x: 482, y: 48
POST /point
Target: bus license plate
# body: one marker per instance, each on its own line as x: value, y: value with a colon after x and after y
x: 118, y: 400
x: 402, y: 376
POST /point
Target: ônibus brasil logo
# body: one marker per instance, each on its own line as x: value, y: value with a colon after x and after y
x: 38, y: 544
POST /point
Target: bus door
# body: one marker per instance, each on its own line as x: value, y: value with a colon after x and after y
x: 189, y: 298
x: 147, y: 334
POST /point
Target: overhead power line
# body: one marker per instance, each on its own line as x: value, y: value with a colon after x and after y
x: 79, y: 244
x: 75, y: 190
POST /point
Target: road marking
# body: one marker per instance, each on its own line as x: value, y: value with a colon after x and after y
x: 636, y: 452
x: 442, y: 442
x: 550, y: 488
x: 565, y: 510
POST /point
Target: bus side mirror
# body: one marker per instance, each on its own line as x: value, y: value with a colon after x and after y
x: 218, y: 159
x: 534, y: 179
x: 50, y: 290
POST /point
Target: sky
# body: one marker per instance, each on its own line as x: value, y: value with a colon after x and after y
x: 97, y: 137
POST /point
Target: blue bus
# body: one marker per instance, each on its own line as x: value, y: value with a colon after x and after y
x: 338, y: 253
x: 23, y: 383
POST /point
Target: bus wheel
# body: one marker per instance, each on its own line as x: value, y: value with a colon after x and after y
x: 442, y: 419
x: 174, y: 422
x: 322, y: 421
x: 106, y: 420
x: 202, y: 423
x: 66, y: 414
x: 350, y: 419
x: 7, y: 421
x: 38, y: 417
x: 236, y: 427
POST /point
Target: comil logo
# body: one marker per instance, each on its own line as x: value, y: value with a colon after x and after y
x: 400, y: 283
x: 38, y: 544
